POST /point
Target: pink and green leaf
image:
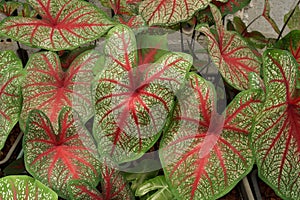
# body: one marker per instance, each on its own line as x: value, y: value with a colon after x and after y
x: 231, y: 6
x: 80, y: 190
x: 24, y: 187
x: 276, y: 133
x: 135, y: 21
x: 162, y: 12
x: 57, y: 157
x: 133, y: 101
x: 69, y: 56
x: 11, y: 77
x: 64, y: 24
x: 205, y: 154
x: 230, y: 53
x: 114, y: 185
x: 291, y: 42
x: 120, y: 7
x: 48, y: 88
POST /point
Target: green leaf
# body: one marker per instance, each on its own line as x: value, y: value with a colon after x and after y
x: 64, y: 24
x: 55, y: 158
x: 205, y: 154
x: 230, y: 53
x: 276, y: 133
x: 161, y: 12
x: 11, y: 77
x: 16, y: 167
x: 293, y: 23
x: 158, y: 185
x: 24, y: 187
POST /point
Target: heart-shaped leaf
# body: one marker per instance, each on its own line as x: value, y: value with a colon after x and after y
x: 48, y: 88
x: 80, y: 190
x: 230, y: 53
x: 276, y: 133
x: 55, y: 158
x: 11, y: 76
x: 199, y: 162
x: 64, y: 24
x: 162, y: 12
x: 133, y: 102
x: 24, y: 187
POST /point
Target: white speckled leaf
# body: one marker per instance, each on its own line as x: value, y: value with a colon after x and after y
x: 113, y: 184
x: 230, y: 53
x: 55, y: 158
x: 82, y: 190
x: 11, y: 77
x: 276, y: 132
x: 24, y: 187
x: 65, y: 24
x: 168, y: 12
x: 133, y: 102
x: 48, y: 88
x: 205, y: 155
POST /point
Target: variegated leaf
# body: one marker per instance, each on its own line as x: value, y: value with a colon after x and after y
x: 133, y: 102
x: 65, y: 24
x: 57, y: 157
x: 162, y: 12
x: 82, y: 190
x: 276, y: 133
x: 11, y: 77
x: 48, y: 88
x: 24, y: 187
x: 113, y: 184
x: 230, y: 53
x: 204, y: 155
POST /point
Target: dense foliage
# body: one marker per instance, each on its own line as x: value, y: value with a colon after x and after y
x: 90, y: 111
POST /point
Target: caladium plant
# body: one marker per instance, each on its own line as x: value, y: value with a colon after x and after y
x: 86, y: 115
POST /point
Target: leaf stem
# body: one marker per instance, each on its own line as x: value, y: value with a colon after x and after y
x: 181, y: 38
